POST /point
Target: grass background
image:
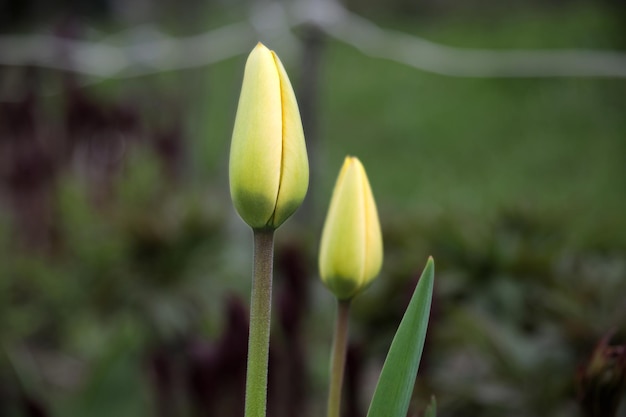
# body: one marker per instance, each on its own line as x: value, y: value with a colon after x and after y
x: 461, y: 145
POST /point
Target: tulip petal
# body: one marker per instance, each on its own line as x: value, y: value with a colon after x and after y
x: 256, y: 148
x: 294, y: 176
x: 373, y: 234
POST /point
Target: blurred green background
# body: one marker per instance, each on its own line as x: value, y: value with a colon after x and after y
x: 124, y: 270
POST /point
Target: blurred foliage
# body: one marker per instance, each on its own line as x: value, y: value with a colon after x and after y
x: 515, y: 314
x: 123, y: 266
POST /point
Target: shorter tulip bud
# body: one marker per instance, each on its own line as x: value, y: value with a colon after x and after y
x: 269, y: 169
x: 351, y: 248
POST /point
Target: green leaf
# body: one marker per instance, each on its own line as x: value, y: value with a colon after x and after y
x: 396, y: 381
x: 431, y: 410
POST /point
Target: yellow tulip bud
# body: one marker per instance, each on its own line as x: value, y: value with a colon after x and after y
x: 269, y: 169
x: 351, y: 249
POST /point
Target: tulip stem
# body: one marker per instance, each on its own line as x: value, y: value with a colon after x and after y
x: 260, y: 315
x: 338, y: 359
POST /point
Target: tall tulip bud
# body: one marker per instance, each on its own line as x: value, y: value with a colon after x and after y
x: 269, y: 170
x: 351, y: 249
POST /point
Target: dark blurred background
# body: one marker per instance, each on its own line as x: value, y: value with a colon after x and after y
x: 124, y: 270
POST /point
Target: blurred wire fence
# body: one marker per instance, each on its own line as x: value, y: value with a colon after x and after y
x: 146, y: 50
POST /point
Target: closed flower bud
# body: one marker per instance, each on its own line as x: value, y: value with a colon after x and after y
x: 269, y: 170
x: 351, y: 249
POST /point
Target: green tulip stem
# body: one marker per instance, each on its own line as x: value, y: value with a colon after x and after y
x: 260, y: 314
x: 338, y: 359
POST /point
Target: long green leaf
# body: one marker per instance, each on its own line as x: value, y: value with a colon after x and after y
x: 396, y: 381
